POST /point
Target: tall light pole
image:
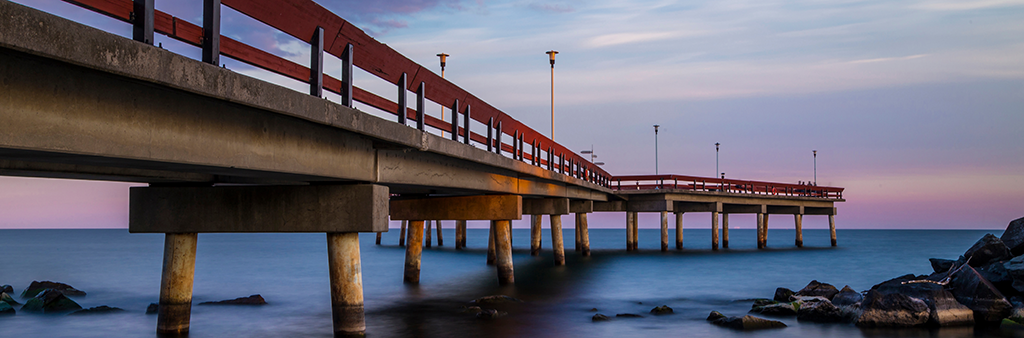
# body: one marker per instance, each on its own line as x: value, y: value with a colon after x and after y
x: 815, y: 166
x: 444, y: 59
x: 592, y: 155
x: 716, y: 158
x: 656, y: 148
x: 551, y: 55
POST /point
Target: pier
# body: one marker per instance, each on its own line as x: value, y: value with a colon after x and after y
x: 224, y: 152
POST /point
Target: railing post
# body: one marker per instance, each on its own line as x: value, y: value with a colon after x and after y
x: 534, y: 153
x: 520, y: 147
x: 316, y: 63
x: 497, y: 138
x: 142, y: 21
x: 455, y: 120
x: 515, y: 145
x: 465, y: 126
x: 490, y: 134
x: 421, y: 92
x: 346, y: 81
x: 211, y: 32
x: 403, y: 97
x: 551, y: 159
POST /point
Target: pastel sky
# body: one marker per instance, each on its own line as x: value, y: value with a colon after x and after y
x: 915, y: 107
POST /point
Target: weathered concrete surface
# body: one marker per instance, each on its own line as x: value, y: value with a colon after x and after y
x: 556, y: 239
x: 725, y: 230
x: 584, y: 235
x: 413, y: 253
x: 664, y: 231
x: 535, y: 235
x: 545, y: 206
x: 714, y: 230
x: 503, y: 250
x: 484, y: 207
x: 346, y: 283
x: 679, y: 231
x: 179, y: 269
x: 798, y: 220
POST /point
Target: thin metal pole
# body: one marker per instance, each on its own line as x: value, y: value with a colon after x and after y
x: 442, y: 107
x: 815, y: 167
x: 552, y: 101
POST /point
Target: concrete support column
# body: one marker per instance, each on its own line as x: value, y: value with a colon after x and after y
x: 799, y: 220
x: 427, y: 235
x: 725, y: 230
x: 679, y: 231
x: 556, y: 239
x: 832, y: 228
x: 460, y: 235
x: 636, y: 231
x: 490, y: 245
x: 760, y: 228
x: 503, y: 248
x: 714, y: 230
x: 576, y: 233
x: 401, y: 235
x: 379, y: 234
x: 346, y: 283
x: 413, y: 252
x: 176, y: 283
x: 440, y: 239
x: 764, y: 232
x: 629, y: 231
x: 664, y: 231
x: 584, y: 235
x: 535, y: 235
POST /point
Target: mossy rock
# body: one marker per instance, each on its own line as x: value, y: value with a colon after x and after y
x: 5, y: 297
x: 6, y: 309
x: 1008, y: 323
x: 50, y: 301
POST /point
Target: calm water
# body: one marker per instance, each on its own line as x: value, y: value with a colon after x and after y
x: 290, y: 271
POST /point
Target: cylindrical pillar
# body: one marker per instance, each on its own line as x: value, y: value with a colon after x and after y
x: 503, y: 248
x: 346, y: 283
x: 401, y: 235
x: 413, y: 252
x: 440, y: 239
x: 714, y: 230
x: 636, y: 231
x: 176, y: 283
x: 725, y: 230
x: 629, y: 231
x: 832, y: 228
x: 490, y: 245
x: 760, y: 228
x: 576, y: 233
x: 460, y: 234
x: 764, y: 232
x: 679, y: 231
x: 427, y: 236
x: 535, y: 235
x: 556, y: 239
x: 664, y: 231
x: 584, y: 235
x: 378, y: 237
x: 799, y: 219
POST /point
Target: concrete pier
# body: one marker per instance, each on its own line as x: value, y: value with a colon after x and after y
x: 725, y: 230
x: 490, y: 245
x: 176, y: 283
x: 764, y: 232
x: 679, y: 231
x: 401, y: 234
x: 379, y: 235
x: 576, y: 233
x: 413, y: 252
x: 584, y: 235
x: 503, y: 248
x: 556, y: 239
x: 832, y: 228
x: 426, y: 232
x: 440, y: 238
x: 799, y: 220
x: 629, y: 231
x: 636, y: 231
x: 664, y: 231
x: 346, y: 283
x: 714, y: 230
x: 460, y: 234
x: 535, y: 235
x: 760, y: 230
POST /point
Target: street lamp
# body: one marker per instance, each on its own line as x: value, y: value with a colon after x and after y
x: 716, y: 157
x: 444, y: 59
x: 656, y: 148
x: 815, y: 167
x: 592, y: 155
x: 551, y: 55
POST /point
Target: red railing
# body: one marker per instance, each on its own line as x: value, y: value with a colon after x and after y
x: 302, y: 19
x: 715, y: 184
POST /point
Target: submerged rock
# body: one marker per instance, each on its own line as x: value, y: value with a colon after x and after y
x: 783, y: 295
x: 6, y: 309
x: 777, y: 309
x: 892, y: 310
x: 847, y: 296
x: 971, y: 289
x: 600, y: 318
x: 1013, y: 236
x: 661, y: 310
x: 747, y: 323
x: 36, y: 287
x: 820, y: 312
x: 152, y: 308
x: 251, y: 300
x: 496, y: 299
x: 5, y: 297
x: 816, y: 288
x: 491, y: 314
x: 97, y: 310
x: 941, y: 265
x: 715, y: 315
x: 6, y: 288
x: 943, y: 308
x: 50, y: 301
x: 988, y: 249
x: 629, y: 315
x: 593, y: 309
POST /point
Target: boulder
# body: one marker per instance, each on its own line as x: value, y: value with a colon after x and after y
x: 847, y: 296
x: 496, y: 299
x: 36, y: 287
x: 892, y: 310
x: 971, y: 289
x: 5, y: 297
x: 491, y: 314
x: 629, y: 315
x: 661, y: 310
x: 988, y: 249
x: 251, y: 300
x: 783, y: 295
x: 1013, y: 236
x: 819, y: 312
x: 50, y: 301
x: 152, y: 308
x: 7, y: 289
x: 943, y: 308
x: 777, y: 309
x: 1015, y: 268
x: 815, y: 288
x: 600, y: 318
x: 941, y: 265
x: 715, y: 315
x: 471, y: 310
x: 6, y: 309
x: 763, y: 301
x: 97, y: 310
x: 747, y: 323
x: 997, y: 274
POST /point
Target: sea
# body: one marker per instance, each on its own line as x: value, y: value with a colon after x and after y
x: 122, y: 270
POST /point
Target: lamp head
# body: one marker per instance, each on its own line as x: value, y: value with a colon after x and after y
x: 716, y: 145
x: 444, y: 58
x: 586, y: 152
x: 656, y: 128
x: 551, y: 55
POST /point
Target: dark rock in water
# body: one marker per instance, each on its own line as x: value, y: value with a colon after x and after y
x: 600, y: 318
x: 593, y: 309
x: 6, y: 309
x: 661, y: 310
x: 97, y: 310
x: 747, y: 323
x: 815, y: 288
x: 892, y: 310
x: 715, y: 315
x: 251, y: 300
x: 941, y: 265
x: 783, y: 295
x: 974, y: 291
x: 629, y: 315
x: 988, y: 249
x: 496, y: 299
x: 777, y: 309
x: 152, y: 308
x: 471, y: 309
x: 5, y: 297
x: 1015, y: 268
x: 997, y: 274
x: 7, y: 289
x: 847, y: 296
x: 36, y: 287
x: 1013, y: 237
x: 763, y: 302
x: 943, y: 308
x: 819, y: 312
x: 50, y: 301
x: 491, y: 314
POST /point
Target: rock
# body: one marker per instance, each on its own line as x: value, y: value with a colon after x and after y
x: 36, y: 287
x: 715, y: 315
x: 850, y: 313
x: 5, y: 297
x: 815, y: 288
x: 251, y: 300
x: 763, y: 302
x: 783, y: 295
x: 747, y: 323
x: 6, y: 309
x: 1013, y: 236
x: 941, y: 265
x: 471, y: 309
x: 600, y: 318
x: 491, y: 314
x: 593, y: 309
x: 97, y: 310
x: 496, y: 299
x: 809, y: 299
x: 50, y: 301
x: 7, y: 289
x: 971, y: 289
x: 892, y: 310
x: 152, y: 308
x: 662, y: 310
x: 1008, y: 323
x: 777, y: 309
x: 988, y: 249
x: 629, y: 315
x: 819, y: 312
x: 943, y: 308
x: 1015, y: 268
x: 997, y: 274
x: 846, y: 297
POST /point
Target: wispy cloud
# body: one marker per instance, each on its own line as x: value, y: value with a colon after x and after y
x: 911, y: 57
x: 627, y: 38
x: 966, y: 5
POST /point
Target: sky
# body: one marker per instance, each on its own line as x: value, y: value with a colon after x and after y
x: 915, y: 107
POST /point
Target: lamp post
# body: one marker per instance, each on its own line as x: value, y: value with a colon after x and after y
x: 551, y: 55
x: 592, y: 155
x: 815, y: 152
x: 716, y: 157
x: 444, y: 59
x: 656, y: 148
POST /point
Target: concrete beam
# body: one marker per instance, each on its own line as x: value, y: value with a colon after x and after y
x: 545, y: 206
x: 468, y: 208
x: 819, y: 211
x: 649, y: 206
x: 581, y: 207
x: 323, y: 208
x: 697, y: 207
x: 744, y: 208
x: 612, y: 206
x: 789, y: 210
